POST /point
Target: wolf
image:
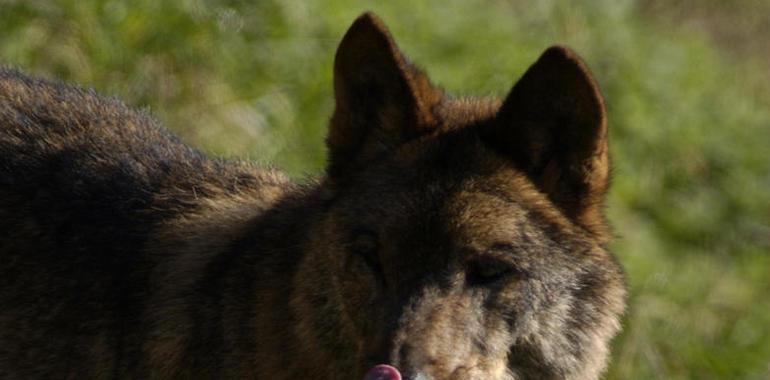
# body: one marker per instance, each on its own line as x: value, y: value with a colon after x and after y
x: 449, y: 237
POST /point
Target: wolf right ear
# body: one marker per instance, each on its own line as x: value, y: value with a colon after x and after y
x: 381, y: 100
x: 553, y: 126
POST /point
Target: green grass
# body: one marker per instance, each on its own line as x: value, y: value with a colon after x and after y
x: 689, y: 119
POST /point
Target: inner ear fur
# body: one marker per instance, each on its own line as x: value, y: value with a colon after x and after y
x: 553, y: 126
x: 381, y: 99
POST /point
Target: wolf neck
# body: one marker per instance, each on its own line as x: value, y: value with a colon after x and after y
x: 224, y: 275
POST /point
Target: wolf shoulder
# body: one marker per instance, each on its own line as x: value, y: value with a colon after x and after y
x: 74, y: 142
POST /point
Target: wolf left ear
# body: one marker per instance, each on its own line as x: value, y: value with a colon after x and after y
x: 553, y: 125
x: 381, y: 100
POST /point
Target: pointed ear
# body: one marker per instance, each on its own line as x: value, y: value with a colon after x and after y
x: 553, y: 126
x: 381, y: 100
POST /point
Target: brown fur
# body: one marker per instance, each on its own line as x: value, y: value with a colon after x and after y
x: 453, y: 238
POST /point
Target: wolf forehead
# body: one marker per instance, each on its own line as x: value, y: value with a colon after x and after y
x: 451, y: 185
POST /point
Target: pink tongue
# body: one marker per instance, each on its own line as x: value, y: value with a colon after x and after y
x: 383, y: 372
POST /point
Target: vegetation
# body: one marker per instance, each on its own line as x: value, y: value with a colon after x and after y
x: 687, y: 94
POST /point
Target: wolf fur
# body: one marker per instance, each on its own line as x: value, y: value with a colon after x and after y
x: 451, y: 237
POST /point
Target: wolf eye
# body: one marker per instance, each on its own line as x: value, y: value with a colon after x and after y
x: 365, y: 244
x: 486, y: 272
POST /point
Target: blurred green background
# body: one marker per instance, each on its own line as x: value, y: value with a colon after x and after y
x: 687, y: 87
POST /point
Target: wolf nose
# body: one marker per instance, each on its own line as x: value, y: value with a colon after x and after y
x: 383, y: 372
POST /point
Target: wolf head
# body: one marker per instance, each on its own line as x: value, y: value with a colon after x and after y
x: 463, y: 238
